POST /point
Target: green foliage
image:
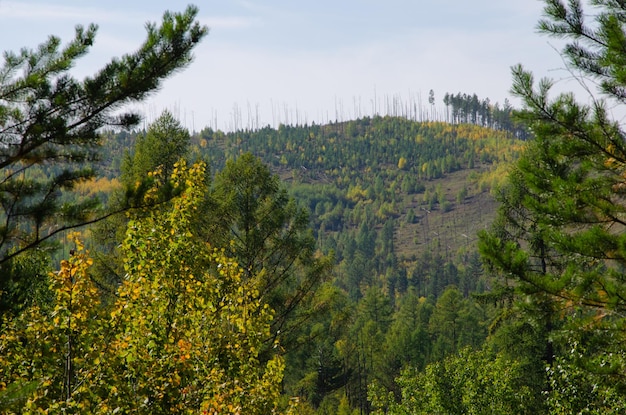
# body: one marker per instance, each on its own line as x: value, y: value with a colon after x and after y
x: 409, y: 341
x: 573, y: 390
x: 165, y: 142
x: 358, y: 181
x: 183, y: 336
x: 472, y: 382
x: 187, y: 318
x: 49, y: 122
x: 559, y: 237
x: 455, y: 322
x: 431, y: 149
x: 259, y: 224
x: 374, y: 319
x: 559, y: 230
x: 23, y: 282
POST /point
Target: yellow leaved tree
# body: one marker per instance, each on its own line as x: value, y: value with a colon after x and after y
x: 183, y: 335
x: 48, y: 353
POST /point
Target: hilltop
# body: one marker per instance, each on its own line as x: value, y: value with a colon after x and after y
x: 429, y: 181
x: 408, y: 196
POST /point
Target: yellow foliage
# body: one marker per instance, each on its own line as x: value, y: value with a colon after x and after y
x: 95, y: 186
x: 356, y: 193
x: 402, y: 163
x: 184, y: 335
x: 57, y: 348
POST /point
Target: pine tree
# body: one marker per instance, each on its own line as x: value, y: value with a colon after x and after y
x: 49, y: 122
x: 164, y: 144
x: 560, y: 236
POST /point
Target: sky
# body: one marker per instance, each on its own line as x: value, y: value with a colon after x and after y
x: 267, y: 62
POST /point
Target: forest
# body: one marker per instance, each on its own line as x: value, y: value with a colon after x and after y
x: 470, y: 264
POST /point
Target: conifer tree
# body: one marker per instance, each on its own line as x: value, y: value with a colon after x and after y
x: 164, y: 144
x: 49, y: 122
x: 560, y: 236
x: 258, y: 223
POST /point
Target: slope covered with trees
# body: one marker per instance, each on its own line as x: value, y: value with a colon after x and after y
x: 401, y: 228
x: 556, y: 247
x: 317, y: 269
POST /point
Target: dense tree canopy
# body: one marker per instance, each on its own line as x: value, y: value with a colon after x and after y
x: 212, y: 288
x: 184, y: 334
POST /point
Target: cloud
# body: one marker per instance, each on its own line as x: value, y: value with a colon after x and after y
x: 229, y: 22
x: 228, y: 77
x: 33, y: 11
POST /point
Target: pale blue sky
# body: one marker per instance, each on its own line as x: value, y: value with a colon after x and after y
x: 309, y: 61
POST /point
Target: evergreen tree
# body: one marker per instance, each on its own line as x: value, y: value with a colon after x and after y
x: 561, y: 234
x: 164, y: 144
x: 49, y: 122
x: 251, y: 215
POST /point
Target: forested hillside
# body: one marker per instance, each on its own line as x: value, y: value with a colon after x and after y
x: 381, y: 265
x: 404, y: 188
x: 398, y: 205
x: 414, y: 193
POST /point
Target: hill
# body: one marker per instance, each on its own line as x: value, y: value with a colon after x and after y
x: 399, y: 203
x: 417, y: 188
x: 400, y: 193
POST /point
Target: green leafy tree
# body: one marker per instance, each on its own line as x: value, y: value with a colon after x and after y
x: 560, y: 235
x: 49, y: 123
x: 519, y: 334
x: 574, y: 390
x: 49, y: 352
x: 165, y: 142
x: 184, y: 334
x: 191, y: 326
x: 471, y: 382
